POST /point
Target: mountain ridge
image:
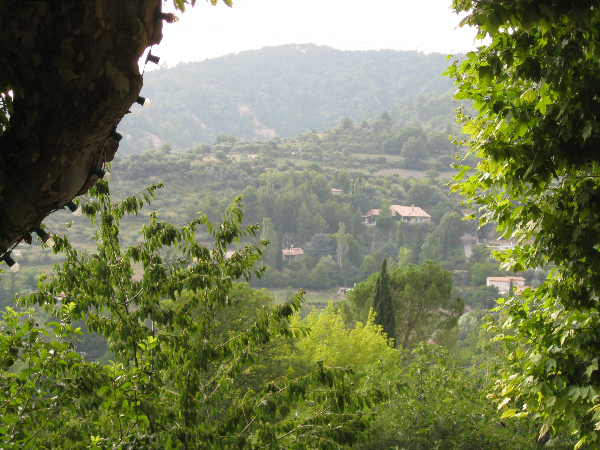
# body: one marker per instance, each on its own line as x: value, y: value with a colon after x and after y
x: 284, y: 91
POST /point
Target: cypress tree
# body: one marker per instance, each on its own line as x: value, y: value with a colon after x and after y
x: 416, y: 251
x: 383, y: 304
x: 400, y: 234
x: 445, y: 245
x: 279, y: 254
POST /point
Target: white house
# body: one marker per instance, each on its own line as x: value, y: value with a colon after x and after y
x: 292, y: 254
x: 503, y: 283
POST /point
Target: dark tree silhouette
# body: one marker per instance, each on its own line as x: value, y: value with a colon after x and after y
x: 383, y: 305
x: 71, y: 68
x: 279, y: 254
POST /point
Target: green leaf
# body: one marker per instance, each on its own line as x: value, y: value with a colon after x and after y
x: 587, y: 131
x: 528, y: 96
x: 508, y: 413
x: 503, y: 402
x: 580, y: 442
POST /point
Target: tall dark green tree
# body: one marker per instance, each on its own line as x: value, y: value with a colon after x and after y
x: 401, y: 234
x: 383, y: 304
x: 445, y: 245
x: 422, y: 302
x: 267, y: 233
x: 278, y: 253
x: 417, y: 246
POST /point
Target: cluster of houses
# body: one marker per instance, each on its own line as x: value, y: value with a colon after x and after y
x: 407, y: 213
x: 415, y: 214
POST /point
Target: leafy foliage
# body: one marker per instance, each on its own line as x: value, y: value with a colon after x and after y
x: 320, y: 245
x: 170, y: 384
x: 439, y: 405
x: 422, y: 303
x: 537, y: 133
x: 383, y: 305
x: 362, y: 348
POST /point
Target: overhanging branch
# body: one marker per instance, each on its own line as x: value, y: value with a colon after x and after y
x: 78, y: 76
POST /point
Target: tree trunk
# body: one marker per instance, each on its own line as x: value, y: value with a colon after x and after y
x: 78, y: 76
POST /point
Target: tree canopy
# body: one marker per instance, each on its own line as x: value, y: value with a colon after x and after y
x: 180, y: 378
x: 422, y: 303
x: 383, y: 305
x: 535, y: 89
x: 287, y: 90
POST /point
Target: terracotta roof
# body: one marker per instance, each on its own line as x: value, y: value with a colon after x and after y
x: 505, y: 278
x: 292, y: 251
x: 408, y: 211
x: 403, y: 211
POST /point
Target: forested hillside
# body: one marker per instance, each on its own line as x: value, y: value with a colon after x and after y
x: 169, y: 309
x: 309, y: 192
x: 284, y: 91
x: 156, y: 292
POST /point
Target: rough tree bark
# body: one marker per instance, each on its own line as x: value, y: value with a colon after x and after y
x: 78, y: 76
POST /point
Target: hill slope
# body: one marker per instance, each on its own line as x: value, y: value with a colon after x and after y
x: 281, y: 91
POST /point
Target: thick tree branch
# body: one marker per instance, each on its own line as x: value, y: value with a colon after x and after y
x: 78, y: 76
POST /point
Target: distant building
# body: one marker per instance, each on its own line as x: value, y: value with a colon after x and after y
x: 407, y: 213
x: 410, y: 213
x: 501, y: 245
x: 503, y: 283
x: 370, y: 217
x: 292, y: 254
x: 228, y: 255
x: 335, y: 191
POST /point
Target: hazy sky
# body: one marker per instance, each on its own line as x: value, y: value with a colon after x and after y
x: 207, y: 31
